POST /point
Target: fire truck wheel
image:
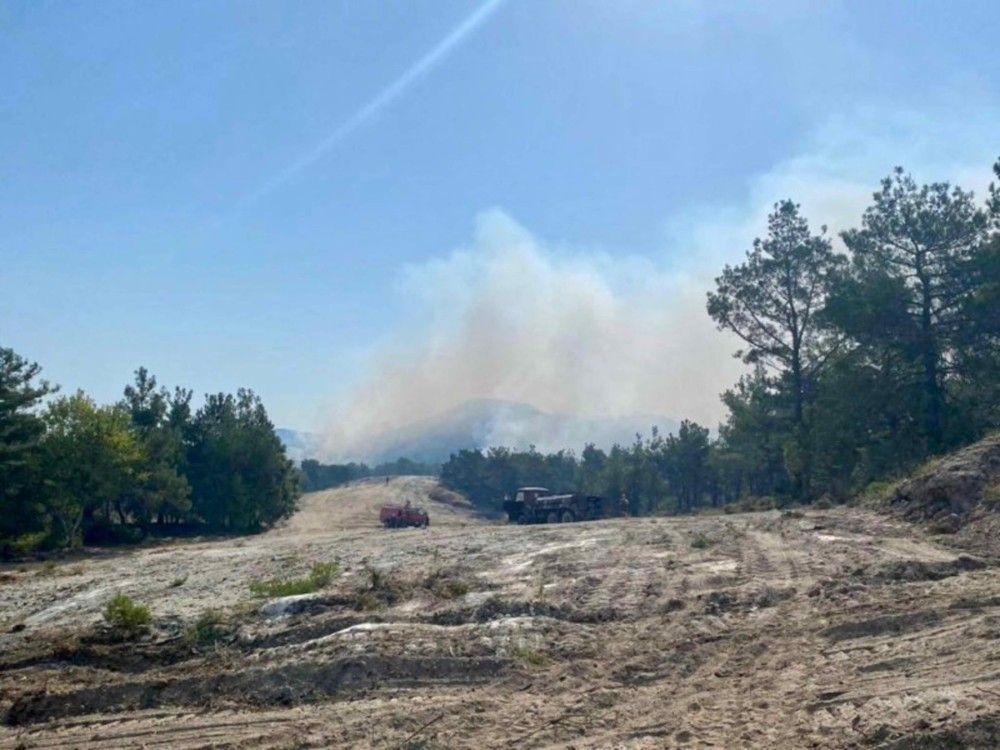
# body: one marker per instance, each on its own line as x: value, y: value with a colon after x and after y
x: 553, y: 517
x: 567, y: 516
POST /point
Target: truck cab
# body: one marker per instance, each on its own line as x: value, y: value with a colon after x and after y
x: 524, y: 498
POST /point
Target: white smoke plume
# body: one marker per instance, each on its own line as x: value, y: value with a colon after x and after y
x: 508, y: 318
x: 588, y: 334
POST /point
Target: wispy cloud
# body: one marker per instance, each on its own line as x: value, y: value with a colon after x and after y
x: 381, y: 100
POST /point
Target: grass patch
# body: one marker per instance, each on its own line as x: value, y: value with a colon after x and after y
x: 319, y: 577
x: 701, y: 542
x: 529, y: 656
x: 366, y: 601
x: 48, y: 569
x: 444, y: 585
x: 210, y: 629
x: 991, y: 497
x: 51, y: 568
x: 753, y: 504
x: 126, y: 617
x: 879, y: 493
x: 384, y: 588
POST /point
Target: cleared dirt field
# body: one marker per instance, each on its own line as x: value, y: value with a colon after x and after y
x: 838, y: 628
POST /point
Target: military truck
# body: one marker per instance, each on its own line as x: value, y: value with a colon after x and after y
x: 538, y: 505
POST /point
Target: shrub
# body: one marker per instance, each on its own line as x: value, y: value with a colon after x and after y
x: 322, y: 573
x: 319, y: 577
x: 209, y: 629
x: 450, y: 589
x: 384, y: 588
x: 445, y: 585
x: 126, y: 617
x: 47, y: 569
x: 529, y: 656
x: 24, y: 544
x: 752, y: 504
x: 368, y: 602
x: 878, y: 493
x: 991, y: 497
x: 701, y: 542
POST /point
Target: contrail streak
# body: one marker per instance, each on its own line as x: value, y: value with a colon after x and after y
x: 381, y: 100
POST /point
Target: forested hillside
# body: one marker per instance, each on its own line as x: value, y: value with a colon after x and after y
x: 862, y: 364
x: 74, y: 471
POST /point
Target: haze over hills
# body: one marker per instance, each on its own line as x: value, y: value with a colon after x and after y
x: 485, y: 423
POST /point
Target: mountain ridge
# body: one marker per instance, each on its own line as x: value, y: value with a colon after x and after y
x: 485, y: 423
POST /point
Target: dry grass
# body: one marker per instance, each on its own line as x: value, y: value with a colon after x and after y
x: 319, y: 577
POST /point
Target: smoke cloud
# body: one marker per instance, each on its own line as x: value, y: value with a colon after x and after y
x: 593, y: 335
x: 509, y: 318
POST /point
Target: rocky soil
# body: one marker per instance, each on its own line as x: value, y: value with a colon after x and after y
x: 819, y: 628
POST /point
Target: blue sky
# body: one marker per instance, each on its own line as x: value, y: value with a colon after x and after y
x: 145, y: 219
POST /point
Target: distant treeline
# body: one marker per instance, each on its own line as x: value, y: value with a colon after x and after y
x: 316, y: 476
x: 669, y: 473
x: 76, y: 472
x: 864, y: 364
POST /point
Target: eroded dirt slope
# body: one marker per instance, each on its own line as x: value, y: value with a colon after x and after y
x: 838, y: 628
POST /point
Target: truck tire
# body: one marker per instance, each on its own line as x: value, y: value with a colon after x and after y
x: 567, y: 516
x: 553, y: 517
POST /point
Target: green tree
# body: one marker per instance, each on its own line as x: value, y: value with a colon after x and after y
x: 162, y: 491
x: 920, y: 243
x: 976, y: 362
x: 21, y: 428
x: 750, y: 449
x: 773, y: 303
x: 90, y: 460
x: 688, y: 469
x: 241, y: 479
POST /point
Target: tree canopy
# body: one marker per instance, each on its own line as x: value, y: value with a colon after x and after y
x: 73, y: 471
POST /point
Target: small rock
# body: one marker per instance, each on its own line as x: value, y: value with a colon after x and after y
x: 289, y: 605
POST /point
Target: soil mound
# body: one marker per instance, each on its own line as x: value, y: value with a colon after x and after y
x: 954, y: 486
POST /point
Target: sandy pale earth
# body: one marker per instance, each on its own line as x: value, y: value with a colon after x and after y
x: 837, y: 628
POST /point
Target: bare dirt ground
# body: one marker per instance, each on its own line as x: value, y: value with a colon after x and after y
x: 837, y: 628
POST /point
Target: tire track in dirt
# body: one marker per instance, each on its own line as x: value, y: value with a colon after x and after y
x: 624, y: 633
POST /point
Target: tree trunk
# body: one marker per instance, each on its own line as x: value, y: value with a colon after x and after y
x: 931, y: 384
x: 802, y: 478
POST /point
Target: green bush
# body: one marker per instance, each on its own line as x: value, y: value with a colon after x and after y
x: 384, y: 589
x: 701, y: 542
x: 209, y: 629
x: 126, y: 616
x: 991, y: 497
x: 529, y: 656
x: 319, y: 577
x: 322, y: 573
x: 878, y: 493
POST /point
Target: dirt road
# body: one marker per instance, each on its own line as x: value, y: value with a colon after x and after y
x: 836, y: 628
